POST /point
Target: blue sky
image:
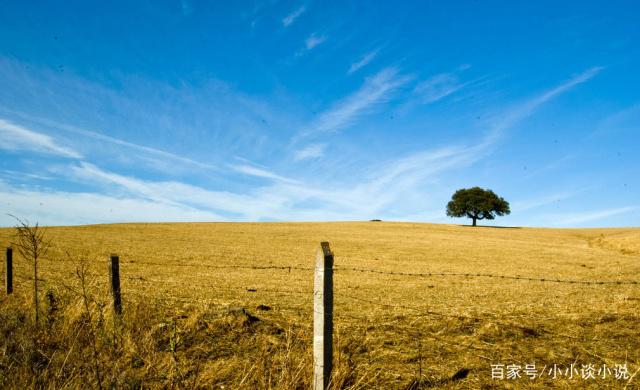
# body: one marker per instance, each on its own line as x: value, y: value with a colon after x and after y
x: 313, y: 111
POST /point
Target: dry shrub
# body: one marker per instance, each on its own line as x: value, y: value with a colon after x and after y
x: 205, y: 347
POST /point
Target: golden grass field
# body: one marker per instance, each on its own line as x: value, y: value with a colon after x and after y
x: 390, y: 330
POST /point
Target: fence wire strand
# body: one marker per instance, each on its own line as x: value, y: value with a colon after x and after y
x: 417, y: 311
x: 298, y: 267
x: 485, y: 275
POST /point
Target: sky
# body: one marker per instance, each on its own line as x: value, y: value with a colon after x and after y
x: 192, y: 110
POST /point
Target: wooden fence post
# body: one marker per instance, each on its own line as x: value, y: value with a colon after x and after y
x: 323, y: 318
x: 8, y: 273
x: 114, y: 276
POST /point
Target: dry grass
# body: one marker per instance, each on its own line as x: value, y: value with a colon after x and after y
x: 177, y: 330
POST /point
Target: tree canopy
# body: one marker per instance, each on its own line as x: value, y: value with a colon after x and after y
x: 477, y: 203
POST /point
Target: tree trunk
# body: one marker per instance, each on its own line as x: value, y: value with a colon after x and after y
x: 474, y: 221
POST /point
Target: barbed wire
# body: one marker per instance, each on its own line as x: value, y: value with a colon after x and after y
x: 298, y: 267
x: 485, y: 275
x: 258, y: 267
x: 363, y: 320
x: 257, y: 290
x: 398, y: 324
x: 368, y: 320
x: 222, y: 288
x: 201, y: 265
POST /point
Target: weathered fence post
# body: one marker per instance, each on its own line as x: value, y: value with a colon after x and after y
x: 114, y: 276
x: 8, y: 273
x: 323, y: 318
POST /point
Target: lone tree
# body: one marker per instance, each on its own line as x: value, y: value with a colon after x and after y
x: 477, y: 203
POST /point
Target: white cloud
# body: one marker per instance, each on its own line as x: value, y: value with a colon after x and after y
x: 177, y: 194
x: 527, y: 204
x: 522, y: 111
x: 397, y: 180
x: 363, y: 61
x: 146, y: 150
x: 396, y: 187
x: 589, y: 216
x: 398, y: 184
x: 310, y: 152
x: 289, y: 19
x: 69, y: 208
x: 14, y: 137
x: 281, y: 201
x: 437, y: 87
x: 186, y: 7
x: 376, y: 90
x: 550, y: 166
x: 259, y: 172
x: 626, y: 120
x: 170, y: 123
x: 403, y: 176
x: 393, y: 188
x: 23, y: 176
x: 314, y: 40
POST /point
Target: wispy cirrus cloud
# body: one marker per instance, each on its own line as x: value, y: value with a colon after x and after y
x: 186, y: 7
x: 549, y: 166
x: 362, y: 62
x: 21, y: 176
x: 175, y: 193
x: 404, y: 176
x: 524, y: 110
x: 545, y: 200
x: 283, y: 200
x: 310, y: 152
x: 76, y: 208
x: 437, y: 87
x: 375, y: 91
x: 15, y: 137
x: 625, y: 120
x: 260, y: 172
x: 394, y: 188
x: 24, y: 138
x: 396, y: 181
x: 518, y: 112
x: 129, y: 145
x: 314, y: 40
x: 289, y: 19
x: 378, y: 88
x: 165, y: 127
x: 573, y: 219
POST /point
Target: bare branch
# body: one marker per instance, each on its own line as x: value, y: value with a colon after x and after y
x: 32, y: 244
